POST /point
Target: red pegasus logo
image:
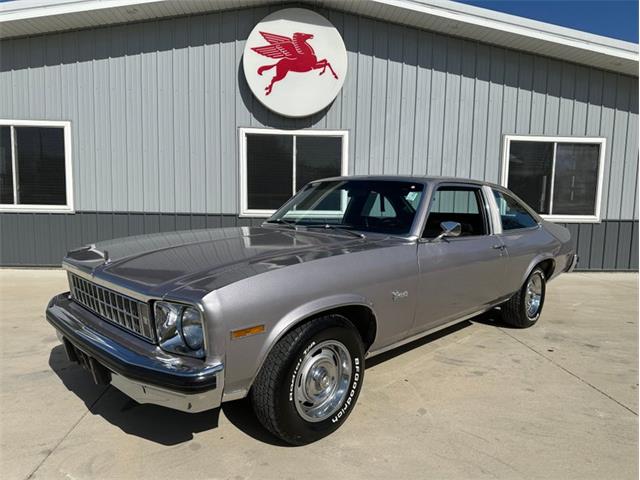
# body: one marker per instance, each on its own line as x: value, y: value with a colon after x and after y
x: 296, y: 54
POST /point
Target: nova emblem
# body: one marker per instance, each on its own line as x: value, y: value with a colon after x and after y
x: 399, y: 295
x: 294, y: 54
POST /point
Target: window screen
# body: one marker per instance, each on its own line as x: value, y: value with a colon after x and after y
x: 530, y: 171
x: 40, y: 166
x: 278, y: 165
x: 6, y: 167
x: 269, y: 170
x: 576, y: 179
x: 555, y: 178
x: 33, y: 168
x: 316, y: 158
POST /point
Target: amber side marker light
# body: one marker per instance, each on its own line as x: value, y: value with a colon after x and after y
x: 245, y: 332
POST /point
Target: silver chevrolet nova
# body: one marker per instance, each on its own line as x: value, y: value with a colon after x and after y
x: 287, y: 312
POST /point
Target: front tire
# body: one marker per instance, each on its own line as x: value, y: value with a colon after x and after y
x: 524, y: 308
x: 310, y: 380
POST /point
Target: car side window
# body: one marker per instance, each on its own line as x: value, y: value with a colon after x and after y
x: 456, y: 204
x: 378, y: 206
x: 512, y: 214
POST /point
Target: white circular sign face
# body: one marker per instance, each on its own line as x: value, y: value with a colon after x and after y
x: 295, y: 62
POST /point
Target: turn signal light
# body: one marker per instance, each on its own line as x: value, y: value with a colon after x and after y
x: 245, y: 332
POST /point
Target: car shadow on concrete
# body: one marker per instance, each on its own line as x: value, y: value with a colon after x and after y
x: 171, y: 427
x: 240, y: 414
x: 492, y: 317
x: 158, y: 424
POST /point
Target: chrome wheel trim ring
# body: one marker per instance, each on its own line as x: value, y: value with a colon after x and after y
x: 533, y: 295
x: 322, y: 381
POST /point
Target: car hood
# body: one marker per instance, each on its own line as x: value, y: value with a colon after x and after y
x: 156, y: 264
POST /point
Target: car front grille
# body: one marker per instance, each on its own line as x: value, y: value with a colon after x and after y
x: 114, y: 307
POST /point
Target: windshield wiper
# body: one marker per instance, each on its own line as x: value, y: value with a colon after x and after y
x: 286, y: 223
x: 344, y: 228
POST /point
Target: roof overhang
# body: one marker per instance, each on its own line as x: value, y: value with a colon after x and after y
x: 33, y: 17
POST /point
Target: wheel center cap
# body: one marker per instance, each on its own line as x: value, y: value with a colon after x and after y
x: 321, y: 378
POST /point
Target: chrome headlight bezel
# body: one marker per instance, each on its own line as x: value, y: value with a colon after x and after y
x: 168, y: 318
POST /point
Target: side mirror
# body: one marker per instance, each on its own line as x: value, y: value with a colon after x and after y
x: 449, y: 229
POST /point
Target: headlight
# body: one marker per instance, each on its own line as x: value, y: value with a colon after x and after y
x: 179, y: 328
x: 191, y: 326
x: 166, y: 316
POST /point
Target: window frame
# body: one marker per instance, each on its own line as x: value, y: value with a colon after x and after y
x: 485, y: 210
x: 498, y: 217
x: 602, y: 141
x: 245, y: 211
x: 66, y: 126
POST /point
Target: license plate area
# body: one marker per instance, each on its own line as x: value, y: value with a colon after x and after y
x: 101, y: 375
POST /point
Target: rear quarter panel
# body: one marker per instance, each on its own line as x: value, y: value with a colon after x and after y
x: 567, y: 245
x: 526, y: 248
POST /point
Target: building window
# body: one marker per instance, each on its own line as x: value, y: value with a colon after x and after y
x: 35, y: 166
x: 275, y: 164
x: 559, y: 177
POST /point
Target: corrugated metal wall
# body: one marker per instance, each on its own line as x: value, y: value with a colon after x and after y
x: 155, y: 108
x: 30, y: 239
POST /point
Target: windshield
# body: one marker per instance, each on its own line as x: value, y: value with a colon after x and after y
x: 367, y: 205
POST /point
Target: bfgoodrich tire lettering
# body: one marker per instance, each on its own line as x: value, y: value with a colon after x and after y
x: 293, y: 395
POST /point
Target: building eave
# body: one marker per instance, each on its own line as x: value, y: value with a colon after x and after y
x: 34, y: 17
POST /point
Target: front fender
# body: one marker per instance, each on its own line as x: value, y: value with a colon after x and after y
x: 284, y: 325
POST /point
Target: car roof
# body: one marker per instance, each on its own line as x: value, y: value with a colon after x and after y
x: 414, y: 178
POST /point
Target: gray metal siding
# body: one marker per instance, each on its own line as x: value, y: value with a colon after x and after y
x: 155, y: 107
x: 610, y: 245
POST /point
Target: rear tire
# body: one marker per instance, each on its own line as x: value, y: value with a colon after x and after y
x: 524, y: 308
x: 310, y: 380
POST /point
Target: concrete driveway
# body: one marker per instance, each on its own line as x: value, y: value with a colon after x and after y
x: 479, y: 401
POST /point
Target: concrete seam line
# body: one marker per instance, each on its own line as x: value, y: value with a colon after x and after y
x: 33, y: 472
x: 569, y: 372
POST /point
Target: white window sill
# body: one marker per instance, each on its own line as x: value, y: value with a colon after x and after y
x: 36, y: 209
x: 572, y: 218
x: 256, y: 213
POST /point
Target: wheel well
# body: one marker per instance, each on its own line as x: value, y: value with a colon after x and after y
x: 362, y: 318
x: 548, y: 266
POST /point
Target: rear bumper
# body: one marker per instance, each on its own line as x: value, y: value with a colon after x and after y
x: 571, y: 265
x: 138, y: 368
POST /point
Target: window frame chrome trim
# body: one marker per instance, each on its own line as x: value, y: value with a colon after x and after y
x: 486, y: 205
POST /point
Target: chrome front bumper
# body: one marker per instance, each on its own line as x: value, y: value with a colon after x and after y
x: 139, y: 369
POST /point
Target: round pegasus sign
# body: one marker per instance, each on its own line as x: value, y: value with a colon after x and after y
x: 295, y: 62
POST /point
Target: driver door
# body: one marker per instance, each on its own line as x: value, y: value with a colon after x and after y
x: 457, y: 275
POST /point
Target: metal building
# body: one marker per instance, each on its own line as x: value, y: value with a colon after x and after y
x: 125, y: 117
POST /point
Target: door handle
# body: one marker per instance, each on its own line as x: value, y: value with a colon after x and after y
x: 499, y: 247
